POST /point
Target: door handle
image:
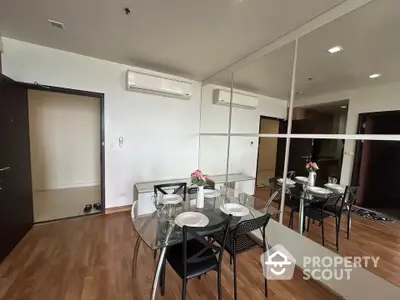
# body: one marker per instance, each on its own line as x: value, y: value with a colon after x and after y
x: 5, y: 169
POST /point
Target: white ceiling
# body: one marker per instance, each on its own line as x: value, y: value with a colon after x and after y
x: 369, y: 37
x: 190, y: 38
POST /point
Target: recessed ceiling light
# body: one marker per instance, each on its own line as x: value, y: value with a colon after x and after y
x: 56, y: 24
x: 376, y: 75
x: 335, y: 49
x: 343, y: 106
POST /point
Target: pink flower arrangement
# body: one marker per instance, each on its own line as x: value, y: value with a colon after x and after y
x: 312, y: 166
x: 198, y: 178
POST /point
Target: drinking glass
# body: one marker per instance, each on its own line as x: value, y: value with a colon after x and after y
x: 332, y: 180
x: 157, y: 200
x: 243, y: 199
x: 170, y: 211
x: 223, y: 190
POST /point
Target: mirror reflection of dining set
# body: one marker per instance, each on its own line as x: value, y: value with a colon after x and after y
x: 314, y: 203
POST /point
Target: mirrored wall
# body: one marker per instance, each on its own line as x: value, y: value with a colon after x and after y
x: 345, y: 119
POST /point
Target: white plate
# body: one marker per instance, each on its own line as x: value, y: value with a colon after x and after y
x: 191, y: 219
x: 234, y: 209
x: 301, y: 178
x: 210, y: 193
x: 288, y: 181
x: 171, y: 199
x: 319, y: 190
x: 336, y: 187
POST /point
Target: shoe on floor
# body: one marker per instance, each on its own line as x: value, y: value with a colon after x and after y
x: 87, y: 208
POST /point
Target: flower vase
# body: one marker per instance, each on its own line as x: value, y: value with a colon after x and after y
x: 200, y: 197
x: 312, y: 176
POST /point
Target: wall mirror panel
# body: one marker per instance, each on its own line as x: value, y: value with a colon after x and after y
x: 370, y: 200
x: 348, y: 74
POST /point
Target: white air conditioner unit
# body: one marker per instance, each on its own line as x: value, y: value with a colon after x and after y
x: 222, y: 97
x: 145, y: 83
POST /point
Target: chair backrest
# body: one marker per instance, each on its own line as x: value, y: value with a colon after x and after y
x: 291, y: 174
x: 332, y: 201
x: 199, y: 233
x: 179, y: 188
x: 250, y: 225
x: 349, y: 197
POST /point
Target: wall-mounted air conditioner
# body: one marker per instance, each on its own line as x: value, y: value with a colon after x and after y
x: 145, y: 83
x: 222, y: 97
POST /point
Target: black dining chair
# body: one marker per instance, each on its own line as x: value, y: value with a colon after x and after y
x: 345, y: 207
x: 319, y: 212
x: 196, y: 256
x: 240, y: 240
x: 179, y: 188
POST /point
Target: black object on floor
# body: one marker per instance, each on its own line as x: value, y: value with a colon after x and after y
x: 88, y: 208
x: 370, y: 215
x: 97, y: 206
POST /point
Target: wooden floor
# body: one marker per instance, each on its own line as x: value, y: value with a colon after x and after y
x: 368, y: 238
x: 90, y: 258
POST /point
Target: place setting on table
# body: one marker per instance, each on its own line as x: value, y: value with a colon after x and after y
x: 197, y: 207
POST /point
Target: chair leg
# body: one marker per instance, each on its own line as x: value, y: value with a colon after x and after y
x: 219, y: 284
x: 337, y: 232
x: 308, y: 224
x: 230, y: 259
x: 323, y: 232
x: 163, y: 279
x: 234, y: 278
x: 348, y: 223
x: 265, y: 287
x: 291, y: 220
x: 184, y: 282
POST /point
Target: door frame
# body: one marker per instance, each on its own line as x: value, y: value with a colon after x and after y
x: 355, y: 176
x: 258, y: 147
x: 100, y: 96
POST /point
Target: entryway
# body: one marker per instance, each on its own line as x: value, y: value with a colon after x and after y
x: 65, y: 134
x: 267, y: 150
x: 376, y: 164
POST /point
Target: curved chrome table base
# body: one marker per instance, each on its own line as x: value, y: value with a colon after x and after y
x: 160, y: 263
x: 137, y: 244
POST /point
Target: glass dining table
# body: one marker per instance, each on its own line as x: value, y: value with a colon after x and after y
x: 299, y: 191
x: 157, y: 232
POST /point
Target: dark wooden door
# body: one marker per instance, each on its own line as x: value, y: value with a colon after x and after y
x: 16, y: 207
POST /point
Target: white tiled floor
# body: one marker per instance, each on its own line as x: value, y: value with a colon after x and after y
x: 63, y: 203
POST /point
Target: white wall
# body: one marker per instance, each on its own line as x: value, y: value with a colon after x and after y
x: 371, y: 99
x: 243, y: 150
x: 161, y: 134
x: 65, y: 139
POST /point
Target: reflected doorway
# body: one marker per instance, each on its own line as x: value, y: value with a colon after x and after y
x: 267, y: 150
x: 376, y: 164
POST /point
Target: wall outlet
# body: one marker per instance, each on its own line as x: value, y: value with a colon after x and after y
x: 124, y: 194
